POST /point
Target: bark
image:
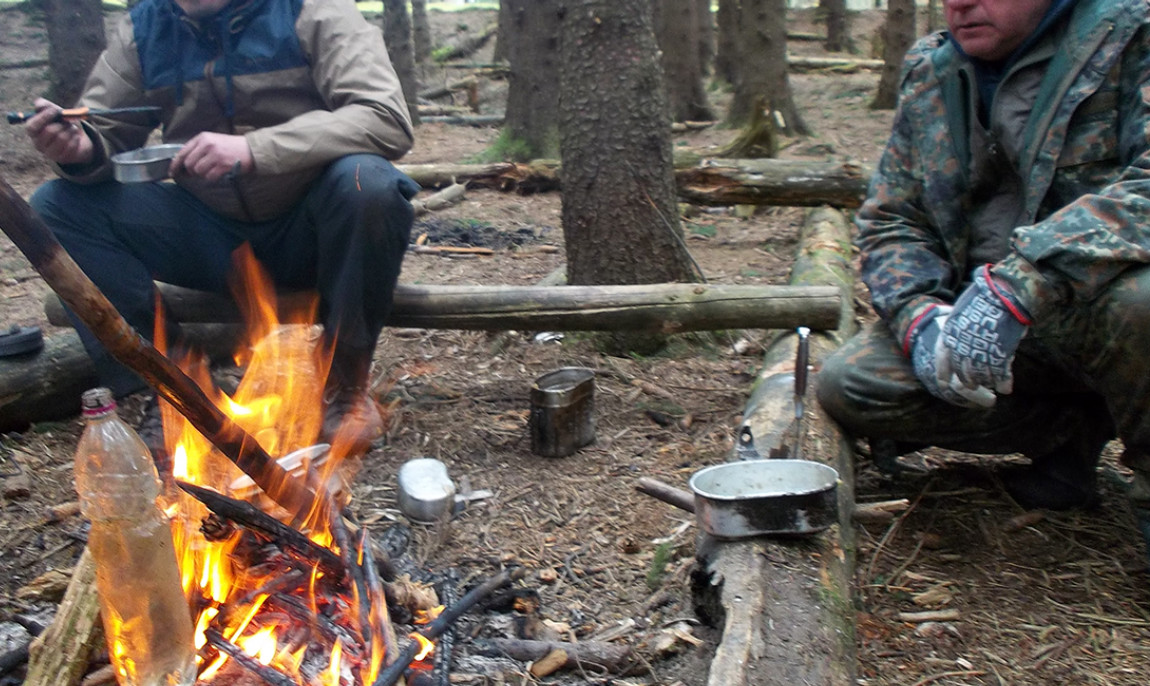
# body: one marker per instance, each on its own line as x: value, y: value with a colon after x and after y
x: 773, y: 182
x: 533, y: 89
x: 60, y: 655
x: 763, y: 67
x: 898, y: 36
x: 662, y: 307
x: 420, y: 31
x: 398, y: 39
x: 677, y: 25
x: 620, y: 217
x: 75, y: 40
x: 727, y: 41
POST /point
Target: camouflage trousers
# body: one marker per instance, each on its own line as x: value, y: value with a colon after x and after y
x: 1081, y: 371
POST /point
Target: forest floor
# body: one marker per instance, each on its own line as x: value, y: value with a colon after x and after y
x: 1050, y: 598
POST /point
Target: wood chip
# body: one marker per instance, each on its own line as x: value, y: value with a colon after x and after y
x: 929, y: 616
x: 548, y: 664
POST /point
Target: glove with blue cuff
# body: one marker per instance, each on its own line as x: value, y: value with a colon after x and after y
x: 982, y: 335
x: 927, y: 350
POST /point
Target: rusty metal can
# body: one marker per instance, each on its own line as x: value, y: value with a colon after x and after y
x: 562, y: 411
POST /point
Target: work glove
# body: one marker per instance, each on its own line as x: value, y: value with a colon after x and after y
x: 927, y: 350
x: 982, y: 334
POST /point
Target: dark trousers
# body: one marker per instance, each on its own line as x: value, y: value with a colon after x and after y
x: 346, y: 238
x: 1083, y: 368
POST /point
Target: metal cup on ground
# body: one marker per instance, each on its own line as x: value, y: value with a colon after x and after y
x: 562, y: 411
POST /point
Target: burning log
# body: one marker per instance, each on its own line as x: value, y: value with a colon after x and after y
x: 440, y: 624
x: 74, y: 287
x: 251, y: 517
x: 269, y: 674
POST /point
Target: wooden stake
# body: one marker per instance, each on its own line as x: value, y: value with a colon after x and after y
x: 59, y: 656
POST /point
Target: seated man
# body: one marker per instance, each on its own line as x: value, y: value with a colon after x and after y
x: 288, y: 113
x: 1006, y: 244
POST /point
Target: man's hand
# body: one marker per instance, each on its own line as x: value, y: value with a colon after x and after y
x: 927, y: 350
x: 62, y: 142
x: 982, y: 335
x: 211, y: 155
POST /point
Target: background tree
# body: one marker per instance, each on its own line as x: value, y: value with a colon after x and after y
x: 898, y: 35
x: 397, y: 36
x: 677, y: 25
x: 75, y: 40
x: 706, y: 35
x: 762, y: 72
x: 420, y: 31
x: 499, y: 53
x: 620, y: 213
x: 933, y: 16
x: 727, y: 41
x: 837, y: 18
x: 532, y: 119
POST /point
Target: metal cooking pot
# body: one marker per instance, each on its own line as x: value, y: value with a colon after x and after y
x: 765, y: 497
x: 144, y: 164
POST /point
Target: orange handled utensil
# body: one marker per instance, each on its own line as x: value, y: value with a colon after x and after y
x: 78, y: 113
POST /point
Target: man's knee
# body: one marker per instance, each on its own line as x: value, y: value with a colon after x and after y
x: 371, y: 182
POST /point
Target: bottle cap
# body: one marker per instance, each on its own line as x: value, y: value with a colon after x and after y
x: 97, y: 401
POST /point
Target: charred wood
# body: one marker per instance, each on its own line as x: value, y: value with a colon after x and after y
x: 252, y: 518
x: 269, y: 674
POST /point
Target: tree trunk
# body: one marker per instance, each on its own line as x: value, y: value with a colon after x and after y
x: 620, y: 214
x: 420, y: 31
x: 397, y: 37
x: 763, y: 67
x: 727, y: 42
x: 75, y: 40
x: 677, y: 25
x: 502, y: 35
x: 898, y: 36
x: 933, y: 17
x: 532, y: 129
x: 706, y: 22
x: 838, y: 25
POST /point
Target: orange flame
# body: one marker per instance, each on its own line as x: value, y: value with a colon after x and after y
x: 279, y: 403
x: 426, y: 646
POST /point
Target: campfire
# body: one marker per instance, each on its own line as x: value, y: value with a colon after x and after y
x: 287, y: 597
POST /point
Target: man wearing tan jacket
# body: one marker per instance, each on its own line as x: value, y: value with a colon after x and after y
x: 288, y: 112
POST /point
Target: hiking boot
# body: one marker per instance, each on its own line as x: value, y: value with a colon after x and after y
x: 351, y: 417
x: 151, y: 430
x: 1066, y: 478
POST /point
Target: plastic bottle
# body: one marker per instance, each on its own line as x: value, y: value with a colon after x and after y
x: 146, y: 619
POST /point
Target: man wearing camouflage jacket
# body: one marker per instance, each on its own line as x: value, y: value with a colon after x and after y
x: 1006, y: 245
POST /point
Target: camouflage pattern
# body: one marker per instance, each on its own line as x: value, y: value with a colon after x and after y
x: 1086, y: 158
x: 1077, y: 263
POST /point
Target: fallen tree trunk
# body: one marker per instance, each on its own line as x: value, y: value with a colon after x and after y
x: 664, y: 308
x: 785, y: 605
x: 839, y: 64
x: 773, y: 182
x: 706, y: 182
x: 46, y: 386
